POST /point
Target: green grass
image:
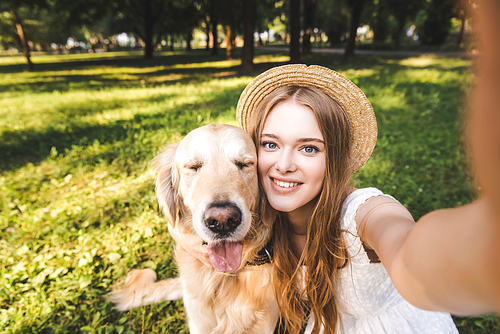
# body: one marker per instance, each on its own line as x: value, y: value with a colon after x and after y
x: 77, y: 207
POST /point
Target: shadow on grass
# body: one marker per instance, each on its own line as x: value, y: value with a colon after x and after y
x: 124, y: 60
x: 163, y: 71
x: 20, y: 147
x: 66, y: 82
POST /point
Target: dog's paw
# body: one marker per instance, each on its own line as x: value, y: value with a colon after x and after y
x: 140, y: 276
x: 136, y: 290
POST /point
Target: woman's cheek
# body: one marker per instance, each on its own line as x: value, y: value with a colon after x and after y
x: 263, y: 163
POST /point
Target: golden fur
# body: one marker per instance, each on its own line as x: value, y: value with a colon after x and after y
x: 212, y: 164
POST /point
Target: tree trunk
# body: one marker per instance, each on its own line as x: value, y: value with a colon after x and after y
x: 309, y: 13
x: 250, y: 7
x: 230, y: 31
x: 379, y: 23
x: 208, y: 34
x: 148, y: 29
x: 215, y: 22
x: 22, y: 36
x: 229, y: 42
x: 399, y: 31
x: 294, y: 31
x: 356, y: 10
x: 189, y: 37
x: 461, y: 34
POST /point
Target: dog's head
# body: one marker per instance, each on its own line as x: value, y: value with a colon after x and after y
x: 208, y: 185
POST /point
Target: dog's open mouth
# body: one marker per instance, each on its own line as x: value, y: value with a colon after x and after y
x: 225, y: 255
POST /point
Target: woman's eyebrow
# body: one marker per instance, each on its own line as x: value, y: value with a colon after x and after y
x: 270, y: 135
x: 304, y: 140
x: 301, y: 140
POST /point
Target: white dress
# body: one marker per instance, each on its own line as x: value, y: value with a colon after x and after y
x: 368, y: 301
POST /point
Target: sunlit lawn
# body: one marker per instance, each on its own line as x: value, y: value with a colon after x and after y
x: 77, y: 207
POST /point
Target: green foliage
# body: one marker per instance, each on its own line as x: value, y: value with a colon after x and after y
x: 436, y: 23
x: 485, y: 324
x: 77, y: 206
x: 333, y: 18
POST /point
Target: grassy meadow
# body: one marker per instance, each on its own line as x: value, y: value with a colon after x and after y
x: 77, y: 206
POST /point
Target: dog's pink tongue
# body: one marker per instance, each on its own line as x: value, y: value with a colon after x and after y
x: 225, y: 256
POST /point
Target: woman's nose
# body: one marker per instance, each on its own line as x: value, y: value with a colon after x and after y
x: 285, y: 162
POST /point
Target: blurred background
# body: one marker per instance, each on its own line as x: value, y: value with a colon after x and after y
x: 62, y: 26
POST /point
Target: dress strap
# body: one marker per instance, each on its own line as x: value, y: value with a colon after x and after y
x: 348, y: 220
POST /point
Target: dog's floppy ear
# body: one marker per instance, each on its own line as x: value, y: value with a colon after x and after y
x: 167, y: 180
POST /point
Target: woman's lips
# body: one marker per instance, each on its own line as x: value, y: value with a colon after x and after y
x: 284, y: 186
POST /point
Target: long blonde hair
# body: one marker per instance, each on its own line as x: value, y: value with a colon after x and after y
x: 325, y: 253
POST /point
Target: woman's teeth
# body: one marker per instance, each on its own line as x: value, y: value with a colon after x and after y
x: 285, y: 184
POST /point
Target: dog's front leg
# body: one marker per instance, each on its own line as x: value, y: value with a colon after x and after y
x: 142, y: 289
x: 201, y: 318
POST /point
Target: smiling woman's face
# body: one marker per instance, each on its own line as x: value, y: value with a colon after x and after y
x: 291, y: 159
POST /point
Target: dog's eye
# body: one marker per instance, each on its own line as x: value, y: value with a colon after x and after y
x: 242, y: 165
x: 194, y: 167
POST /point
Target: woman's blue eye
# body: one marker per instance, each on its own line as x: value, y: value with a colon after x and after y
x: 310, y: 149
x: 269, y: 145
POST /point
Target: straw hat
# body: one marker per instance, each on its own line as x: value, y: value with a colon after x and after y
x: 354, y: 102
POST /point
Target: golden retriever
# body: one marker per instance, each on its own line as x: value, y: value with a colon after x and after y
x: 207, y: 185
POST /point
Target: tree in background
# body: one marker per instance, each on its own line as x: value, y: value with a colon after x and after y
x: 268, y: 13
x: 231, y: 19
x: 142, y: 18
x: 53, y: 23
x: 332, y: 16
x: 309, y: 15
x: 210, y: 21
x: 462, y: 11
x: 435, y: 22
x: 77, y: 13
x: 181, y: 18
x: 250, y: 10
x: 14, y: 7
x: 294, y: 21
x: 32, y: 25
x: 379, y: 20
x: 356, y: 11
x: 205, y: 19
x: 402, y: 12
x: 100, y: 31
x: 154, y: 20
x: 79, y: 19
x: 22, y: 37
x: 214, y: 19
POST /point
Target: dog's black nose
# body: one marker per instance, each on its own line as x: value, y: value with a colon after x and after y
x: 222, y: 218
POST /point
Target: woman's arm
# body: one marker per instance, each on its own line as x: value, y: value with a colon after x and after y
x: 453, y: 254
x: 444, y: 262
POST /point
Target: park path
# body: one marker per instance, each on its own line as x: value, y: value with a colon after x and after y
x: 396, y: 52
x: 382, y: 52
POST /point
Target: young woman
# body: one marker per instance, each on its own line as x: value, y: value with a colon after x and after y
x: 335, y: 247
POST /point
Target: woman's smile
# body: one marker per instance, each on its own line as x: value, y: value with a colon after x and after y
x: 282, y: 185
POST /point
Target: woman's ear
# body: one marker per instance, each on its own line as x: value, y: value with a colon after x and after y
x: 167, y: 181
